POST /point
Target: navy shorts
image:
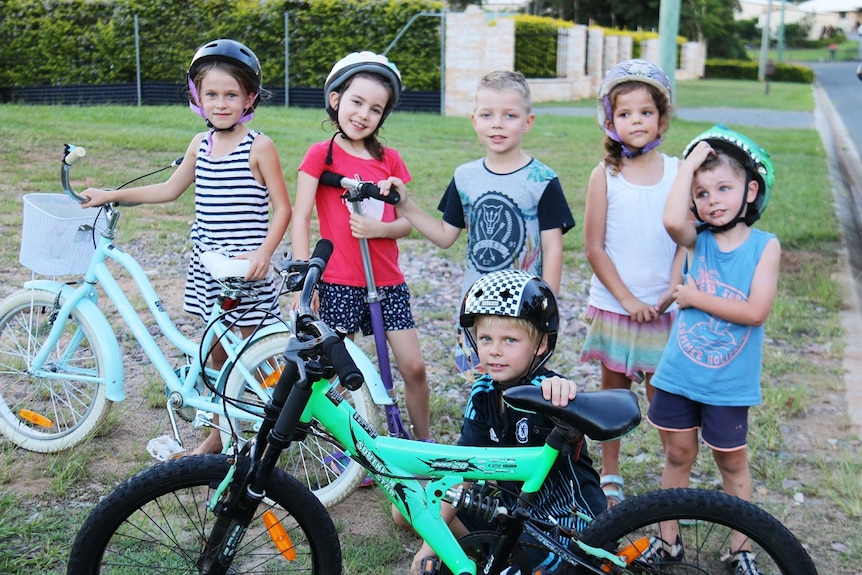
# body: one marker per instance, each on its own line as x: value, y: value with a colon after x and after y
x: 721, y: 427
x: 347, y: 307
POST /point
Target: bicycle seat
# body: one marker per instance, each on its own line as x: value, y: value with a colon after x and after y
x: 600, y: 415
x: 221, y: 267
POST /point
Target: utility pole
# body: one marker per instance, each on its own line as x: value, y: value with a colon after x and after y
x: 764, y: 45
x: 668, y: 30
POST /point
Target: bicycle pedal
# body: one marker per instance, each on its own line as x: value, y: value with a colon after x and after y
x: 430, y: 566
x: 164, y: 448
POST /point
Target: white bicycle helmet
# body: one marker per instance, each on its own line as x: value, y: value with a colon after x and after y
x: 517, y: 294
x: 225, y: 50
x: 364, y: 61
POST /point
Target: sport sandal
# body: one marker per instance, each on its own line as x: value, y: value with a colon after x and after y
x: 660, y: 551
x: 612, y: 485
x: 743, y: 563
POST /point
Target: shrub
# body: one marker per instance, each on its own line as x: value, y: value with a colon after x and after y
x: 746, y: 70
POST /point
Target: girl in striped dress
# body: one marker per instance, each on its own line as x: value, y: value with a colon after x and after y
x: 238, y: 181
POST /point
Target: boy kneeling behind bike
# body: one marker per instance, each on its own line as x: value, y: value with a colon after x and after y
x: 511, y: 320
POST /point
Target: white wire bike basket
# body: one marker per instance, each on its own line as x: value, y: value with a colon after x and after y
x: 57, y: 235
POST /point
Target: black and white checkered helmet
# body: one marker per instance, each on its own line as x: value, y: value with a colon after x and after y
x: 513, y: 293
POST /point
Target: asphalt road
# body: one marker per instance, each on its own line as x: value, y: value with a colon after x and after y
x: 839, y: 82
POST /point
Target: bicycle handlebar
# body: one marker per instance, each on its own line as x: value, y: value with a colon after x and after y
x: 363, y: 189
x: 71, y: 154
x: 331, y: 342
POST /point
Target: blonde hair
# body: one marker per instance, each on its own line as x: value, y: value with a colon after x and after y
x: 501, y: 80
x: 513, y: 322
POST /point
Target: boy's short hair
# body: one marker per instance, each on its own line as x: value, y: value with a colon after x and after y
x: 501, y: 80
x: 720, y: 157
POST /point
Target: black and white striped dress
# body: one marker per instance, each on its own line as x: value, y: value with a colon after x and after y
x: 231, y: 217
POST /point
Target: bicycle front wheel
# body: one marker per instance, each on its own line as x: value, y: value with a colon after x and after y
x: 48, y: 414
x: 706, y: 520
x: 318, y: 461
x: 159, y: 522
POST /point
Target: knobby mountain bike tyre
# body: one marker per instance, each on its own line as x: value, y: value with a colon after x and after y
x: 706, y: 520
x: 158, y: 522
x: 40, y: 413
x: 318, y: 460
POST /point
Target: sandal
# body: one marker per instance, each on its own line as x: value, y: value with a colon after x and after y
x: 660, y: 551
x: 743, y: 563
x: 612, y: 485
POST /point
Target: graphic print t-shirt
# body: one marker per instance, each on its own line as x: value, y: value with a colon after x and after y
x: 504, y: 215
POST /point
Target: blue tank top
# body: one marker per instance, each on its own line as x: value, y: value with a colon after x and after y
x: 708, y: 359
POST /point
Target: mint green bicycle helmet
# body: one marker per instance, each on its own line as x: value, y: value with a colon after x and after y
x: 756, y: 161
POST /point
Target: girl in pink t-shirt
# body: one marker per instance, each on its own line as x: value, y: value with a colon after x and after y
x: 359, y: 92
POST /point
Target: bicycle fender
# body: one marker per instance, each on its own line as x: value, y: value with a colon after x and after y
x: 115, y: 389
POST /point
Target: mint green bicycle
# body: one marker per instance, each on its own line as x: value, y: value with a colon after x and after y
x: 241, y: 513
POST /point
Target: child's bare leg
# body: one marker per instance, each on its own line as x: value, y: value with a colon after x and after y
x: 213, y: 443
x: 408, y: 357
x: 680, y: 453
x: 736, y: 480
x: 612, y: 483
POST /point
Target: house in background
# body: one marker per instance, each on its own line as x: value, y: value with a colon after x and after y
x: 841, y: 15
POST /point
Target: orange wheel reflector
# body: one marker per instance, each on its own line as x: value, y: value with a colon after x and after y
x: 634, y: 549
x: 272, y: 378
x: 35, y: 418
x: 279, y: 536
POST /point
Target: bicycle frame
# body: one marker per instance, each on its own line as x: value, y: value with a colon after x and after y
x: 399, y: 466
x: 98, y: 273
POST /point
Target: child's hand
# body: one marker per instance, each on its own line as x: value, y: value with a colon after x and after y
x: 685, y: 293
x: 258, y: 265
x: 697, y: 156
x: 362, y: 226
x: 95, y: 197
x: 559, y: 390
x: 393, y: 183
x: 639, y: 311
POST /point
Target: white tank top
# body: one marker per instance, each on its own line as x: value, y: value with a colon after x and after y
x: 635, y: 239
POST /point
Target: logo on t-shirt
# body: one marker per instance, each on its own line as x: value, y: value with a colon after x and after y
x: 714, y: 342
x: 522, y: 430
x: 498, y: 233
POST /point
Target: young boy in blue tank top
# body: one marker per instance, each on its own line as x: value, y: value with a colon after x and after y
x: 709, y: 373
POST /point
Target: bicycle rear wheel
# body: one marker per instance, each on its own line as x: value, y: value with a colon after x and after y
x: 318, y: 461
x: 707, y: 519
x: 48, y: 414
x: 158, y: 522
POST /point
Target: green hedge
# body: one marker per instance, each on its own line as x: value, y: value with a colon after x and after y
x: 60, y: 42
x: 536, y: 45
x: 747, y: 70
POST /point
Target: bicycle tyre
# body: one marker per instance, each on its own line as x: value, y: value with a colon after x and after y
x: 711, y: 516
x: 72, y: 409
x: 314, y: 461
x: 158, y: 522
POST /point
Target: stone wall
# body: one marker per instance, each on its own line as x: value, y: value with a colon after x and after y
x: 478, y: 43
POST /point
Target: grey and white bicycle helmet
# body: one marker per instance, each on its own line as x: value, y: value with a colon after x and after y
x: 355, y: 63
x: 635, y: 70
x: 756, y: 161
x: 516, y: 294
x: 225, y: 50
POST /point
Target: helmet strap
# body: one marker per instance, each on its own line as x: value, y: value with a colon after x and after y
x: 247, y: 116
x: 627, y: 152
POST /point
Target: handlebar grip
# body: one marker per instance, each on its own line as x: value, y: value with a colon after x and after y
x: 370, y: 190
x: 73, y: 154
x: 331, y: 179
x: 348, y: 374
